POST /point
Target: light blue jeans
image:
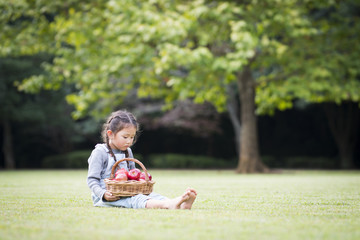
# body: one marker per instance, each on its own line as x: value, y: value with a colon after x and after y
x: 137, y: 201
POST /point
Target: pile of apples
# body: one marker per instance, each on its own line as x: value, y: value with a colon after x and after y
x: 134, y: 174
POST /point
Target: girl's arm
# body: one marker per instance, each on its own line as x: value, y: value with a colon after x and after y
x: 96, y: 164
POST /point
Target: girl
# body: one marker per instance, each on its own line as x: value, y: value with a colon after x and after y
x: 119, y: 133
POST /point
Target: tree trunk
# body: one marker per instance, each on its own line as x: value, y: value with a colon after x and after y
x: 249, y: 161
x: 8, y: 147
x: 234, y: 114
x: 344, y: 124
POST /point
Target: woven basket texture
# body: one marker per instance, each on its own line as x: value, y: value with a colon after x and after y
x: 131, y: 187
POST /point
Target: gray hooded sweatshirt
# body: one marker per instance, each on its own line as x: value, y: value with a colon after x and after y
x: 100, y: 164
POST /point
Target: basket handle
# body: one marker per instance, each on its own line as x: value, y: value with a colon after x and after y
x: 133, y: 160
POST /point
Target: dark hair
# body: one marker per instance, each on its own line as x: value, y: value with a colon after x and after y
x: 116, y: 122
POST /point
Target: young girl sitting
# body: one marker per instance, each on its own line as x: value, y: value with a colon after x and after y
x: 119, y: 133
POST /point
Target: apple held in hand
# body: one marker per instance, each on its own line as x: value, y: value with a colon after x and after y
x: 143, y: 177
x: 134, y: 174
x: 121, y: 177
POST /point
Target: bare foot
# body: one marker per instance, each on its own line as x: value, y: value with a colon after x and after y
x: 189, y: 202
x: 191, y: 190
x: 175, y: 203
x: 184, y: 201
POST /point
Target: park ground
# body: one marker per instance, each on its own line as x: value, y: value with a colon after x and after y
x: 50, y: 204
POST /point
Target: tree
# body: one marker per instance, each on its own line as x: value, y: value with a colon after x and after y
x: 324, y: 69
x: 344, y: 124
x: 171, y: 50
x: 202, y: 120
x: 33, y: 126
x: 26, y: 42
x: 178, y: 50
x: 12, y: 107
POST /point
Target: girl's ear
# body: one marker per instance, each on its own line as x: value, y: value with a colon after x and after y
x: 109, y: 133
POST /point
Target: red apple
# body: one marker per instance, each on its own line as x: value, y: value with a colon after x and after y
x: 121, y: 177
x: 142, y: 176
x: 123, y: 170
x: 134, y: 174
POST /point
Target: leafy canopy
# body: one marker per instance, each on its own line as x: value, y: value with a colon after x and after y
x: 187, y: 49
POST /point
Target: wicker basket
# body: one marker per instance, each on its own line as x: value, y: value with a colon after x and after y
x: 131, y: 187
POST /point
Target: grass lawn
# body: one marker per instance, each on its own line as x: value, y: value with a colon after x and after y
x: 291, y: 205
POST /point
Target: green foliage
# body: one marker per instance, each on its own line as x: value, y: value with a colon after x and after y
x: 188, y: 162
x: 27, y: 26
x: 76, y: 159
x: 15, y: 105
x: 323, y: 66
x: 171, y: 50
x: 43, y: 119
x: 177, y: 50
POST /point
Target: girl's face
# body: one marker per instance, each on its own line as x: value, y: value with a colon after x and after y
x: 122, y: 139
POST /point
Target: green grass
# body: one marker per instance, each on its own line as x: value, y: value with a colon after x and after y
x: 292, y: 205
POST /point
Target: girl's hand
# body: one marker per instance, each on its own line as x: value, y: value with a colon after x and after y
x: 109, y: 197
